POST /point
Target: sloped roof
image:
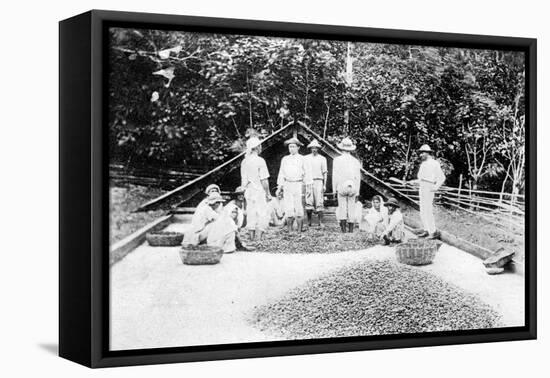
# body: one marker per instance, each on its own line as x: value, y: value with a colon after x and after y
x: 193, y: 187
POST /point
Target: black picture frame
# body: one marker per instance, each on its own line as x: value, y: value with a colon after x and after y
x: 83, y: 196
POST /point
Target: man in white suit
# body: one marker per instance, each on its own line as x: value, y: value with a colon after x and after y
x: 346, y: 181
x: 430, y: 178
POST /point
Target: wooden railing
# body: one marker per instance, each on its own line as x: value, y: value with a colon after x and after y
x: 505, y: 210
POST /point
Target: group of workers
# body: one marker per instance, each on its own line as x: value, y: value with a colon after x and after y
x: 301, y: 187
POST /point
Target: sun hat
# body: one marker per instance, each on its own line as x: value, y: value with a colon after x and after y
x: 347, y: 188
x: 346, y: 145
x: 314, y: 144
x: 293, y: 140
x: 239, y: 190
x: 253, y: 142
x: 425, y: 148
x: 215, y: 198
x: 392, y: 202
x: 210, y: 187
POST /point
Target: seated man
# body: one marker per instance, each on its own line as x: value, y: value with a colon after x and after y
x: 395, y: 227
x: 202, y: 220
x: 239, y: 203
x: 223, y: 233
x: 276, y: 210
x: 212, y: 188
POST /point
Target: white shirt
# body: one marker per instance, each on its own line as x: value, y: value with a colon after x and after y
x: 430, y: 172
x: 293, y: 168
x: 345, y: 167
x: 253, y: 171
x: 317, y: 166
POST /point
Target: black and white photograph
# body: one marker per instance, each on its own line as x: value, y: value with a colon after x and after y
x: 266, y: 188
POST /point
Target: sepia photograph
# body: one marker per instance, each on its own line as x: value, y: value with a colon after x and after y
x: 267, y: 188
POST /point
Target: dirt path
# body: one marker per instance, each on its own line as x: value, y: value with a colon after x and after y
x: 156, y: 301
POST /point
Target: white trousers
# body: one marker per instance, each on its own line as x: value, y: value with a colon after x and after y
x: 426, y: 206
x: 346, y: 208
x: 292, y: 199
x: 257, y: 216
x: 314, y: 196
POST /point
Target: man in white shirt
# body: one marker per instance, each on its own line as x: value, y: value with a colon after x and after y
x: 430, y: 178
x: 346, y: 181
x: 291, y: 178
x: 317, y: 169
x: 394, y: 231
x: 254, y: 180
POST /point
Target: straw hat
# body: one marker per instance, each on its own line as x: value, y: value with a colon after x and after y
x: 253, y: 142
x: 314, y: 144
x: 346, y: 145
x: 293, y: 140
x: 210, y: 187
x: 392, y: 202
x: 425, y: 148
x: 215, y: 198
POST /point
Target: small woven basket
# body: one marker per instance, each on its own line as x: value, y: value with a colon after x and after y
x: 164, y: 238
x: 417, y: 251
x: 200, y: 254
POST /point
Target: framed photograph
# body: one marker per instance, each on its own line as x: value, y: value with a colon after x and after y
x: 234, y: 188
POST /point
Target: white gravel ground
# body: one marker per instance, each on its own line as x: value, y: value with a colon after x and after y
x: 156, y: 301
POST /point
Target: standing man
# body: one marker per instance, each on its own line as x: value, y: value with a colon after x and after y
x: 254, y: 180
x: 346, y: 181
x: 430, y: 178
x: 292, y: 176
x: 317, y: 171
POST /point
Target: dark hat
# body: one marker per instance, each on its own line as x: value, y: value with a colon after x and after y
x: 392, y: 202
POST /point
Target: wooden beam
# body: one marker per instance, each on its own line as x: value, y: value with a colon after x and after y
x: 455, y: 241
x: 175, y: 196
x: 121, y: 248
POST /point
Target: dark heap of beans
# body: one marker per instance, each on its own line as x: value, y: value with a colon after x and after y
x: 314, y: 240
x: 374, y: 298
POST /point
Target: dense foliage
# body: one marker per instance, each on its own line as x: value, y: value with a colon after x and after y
x: 181, y: 98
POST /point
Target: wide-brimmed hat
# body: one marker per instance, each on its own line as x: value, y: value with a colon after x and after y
x: 253, y: 142
x: 346, y: 145
x: 210, y: 187
x: 392, y: 202
x: 293, y: 140
x: 425, y: 148
x: 215, y: 198
x: 314, y: 144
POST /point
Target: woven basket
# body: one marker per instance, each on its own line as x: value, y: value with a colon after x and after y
x: 164, y: 238
x: 417, y: 251
x: 200, y: 254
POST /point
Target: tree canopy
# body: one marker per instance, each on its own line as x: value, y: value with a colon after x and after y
x: 179, y: 98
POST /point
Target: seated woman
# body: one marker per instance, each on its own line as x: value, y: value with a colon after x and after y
x: 276, y: 210
x: 358, y: 212
x: 376, y: 217
x: 223, y: 232
x: 202, y: 220
x: 395, y: 227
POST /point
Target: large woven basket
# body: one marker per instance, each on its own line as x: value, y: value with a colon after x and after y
x: 200, y: 254
x: 417, y: 251
x: 164, y: 238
